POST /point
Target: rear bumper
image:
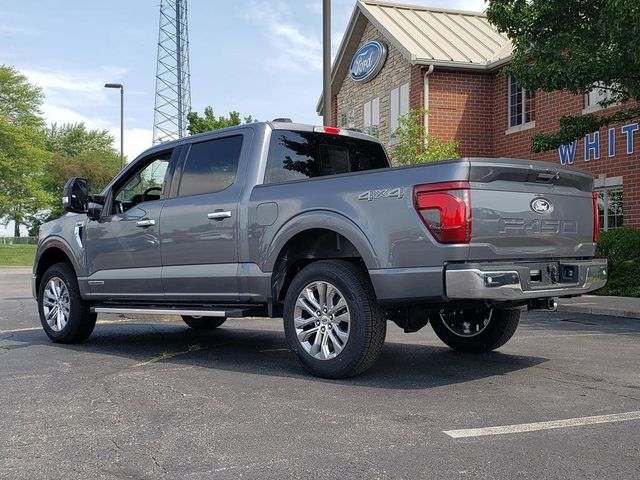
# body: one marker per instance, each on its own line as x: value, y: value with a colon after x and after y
x: 513, y: 282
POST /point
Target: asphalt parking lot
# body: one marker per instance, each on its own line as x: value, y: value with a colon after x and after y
x: 150, y: 398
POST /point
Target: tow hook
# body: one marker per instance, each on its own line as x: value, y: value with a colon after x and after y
x: 543, y: 304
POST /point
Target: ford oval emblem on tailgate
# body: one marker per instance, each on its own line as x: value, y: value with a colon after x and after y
x: 541, y: 205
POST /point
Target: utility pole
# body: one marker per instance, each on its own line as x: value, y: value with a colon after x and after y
x: 326, y: 61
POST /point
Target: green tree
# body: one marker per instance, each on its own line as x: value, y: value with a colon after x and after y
x: 574, y: 45
x: 415, y: 145
x: 20, y: 101
x: 72, y: 139
x: 209, y: 122
x: 23, y: 157
x: 78, y: 152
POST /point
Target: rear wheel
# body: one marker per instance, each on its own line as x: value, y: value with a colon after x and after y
x: 203, y: 323
x: 475, y: 331
x: 332, y: 319
x: 65, y: 317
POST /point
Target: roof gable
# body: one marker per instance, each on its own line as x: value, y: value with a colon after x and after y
x: 425, y: 36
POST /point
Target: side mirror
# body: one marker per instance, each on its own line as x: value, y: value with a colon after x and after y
x: 75, y: 195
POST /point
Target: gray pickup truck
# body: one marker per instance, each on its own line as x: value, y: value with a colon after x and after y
x: 311, y: 224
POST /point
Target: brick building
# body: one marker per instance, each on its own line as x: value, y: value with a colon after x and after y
x: 396, y: 57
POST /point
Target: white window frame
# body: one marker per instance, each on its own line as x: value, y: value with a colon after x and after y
x: 604, y: 186
x: 399, y: 106
x: 524, y: 96
x: 371, y: 116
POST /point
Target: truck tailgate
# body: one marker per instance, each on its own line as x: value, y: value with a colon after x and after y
x: 525, y: 209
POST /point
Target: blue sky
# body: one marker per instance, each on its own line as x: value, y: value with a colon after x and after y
x: 258, y: 57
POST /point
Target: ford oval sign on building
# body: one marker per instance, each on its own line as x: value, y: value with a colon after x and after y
x: 368, y: 61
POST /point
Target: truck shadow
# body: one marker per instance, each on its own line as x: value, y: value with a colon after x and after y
x: 265, y: 352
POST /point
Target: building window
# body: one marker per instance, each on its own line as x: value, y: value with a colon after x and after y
x: 522, y: 105
x: 597, y: 95
x: 371, y: 116
x: 610, y: 207
x: 399, y: 102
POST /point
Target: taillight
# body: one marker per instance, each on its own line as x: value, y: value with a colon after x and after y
x: 596, y: 218
x: 445, y: 209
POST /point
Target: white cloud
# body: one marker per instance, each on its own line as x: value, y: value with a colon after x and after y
x: 136, y: 140
x: 77, y: 88
x: 10, y: 30
x: 68, y: 95
x: 297, y: 50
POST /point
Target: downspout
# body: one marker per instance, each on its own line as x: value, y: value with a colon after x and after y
x: 426, y: 98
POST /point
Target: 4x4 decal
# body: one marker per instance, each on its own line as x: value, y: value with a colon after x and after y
x: 372, y: 195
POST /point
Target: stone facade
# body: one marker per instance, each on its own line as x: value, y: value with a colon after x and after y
x: 353, y: 95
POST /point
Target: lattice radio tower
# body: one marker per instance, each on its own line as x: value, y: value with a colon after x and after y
x: 173, y: 86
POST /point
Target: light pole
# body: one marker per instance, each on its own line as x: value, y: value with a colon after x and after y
x: 121, y: 87
x: 326, y: 61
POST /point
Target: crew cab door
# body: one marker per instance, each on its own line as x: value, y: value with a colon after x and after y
x: 123, y: 246
x: 200, y: 223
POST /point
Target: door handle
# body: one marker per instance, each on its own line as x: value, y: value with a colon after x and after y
x: 220, y: 215
x: 145, y: 223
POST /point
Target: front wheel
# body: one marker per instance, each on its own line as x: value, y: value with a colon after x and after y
x: 332, y: 319
x: 65, y: 317
x: 475, y: 331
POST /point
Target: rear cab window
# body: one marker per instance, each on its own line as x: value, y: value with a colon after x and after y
x: 297, y: 155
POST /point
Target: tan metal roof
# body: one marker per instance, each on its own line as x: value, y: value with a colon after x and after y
x: 425, y: 36
x: 435, y: 36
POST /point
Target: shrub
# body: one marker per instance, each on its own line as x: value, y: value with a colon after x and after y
x: 621, y: 247
x: 415, y: 145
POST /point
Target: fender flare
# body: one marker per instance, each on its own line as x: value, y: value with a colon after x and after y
x: 327, y: 220
x: 60, y: 244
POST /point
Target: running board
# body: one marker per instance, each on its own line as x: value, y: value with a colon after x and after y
x: 194, y: 312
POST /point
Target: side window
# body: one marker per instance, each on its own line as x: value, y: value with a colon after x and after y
x: 145, y: 185
x: 211, y: 166
x: 298, y: 155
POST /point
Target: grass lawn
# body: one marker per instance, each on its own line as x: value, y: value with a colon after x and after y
x: 17, y: 255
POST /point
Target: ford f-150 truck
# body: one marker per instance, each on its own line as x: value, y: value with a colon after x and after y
x: 311, y: 224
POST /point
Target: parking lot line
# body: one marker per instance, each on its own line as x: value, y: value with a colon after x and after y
x: 532, y: 427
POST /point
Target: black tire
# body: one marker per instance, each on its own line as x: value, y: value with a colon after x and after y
x: 367, y: 326
x: 500, y: 328
x: 81, y: 321
x: 203, y: 323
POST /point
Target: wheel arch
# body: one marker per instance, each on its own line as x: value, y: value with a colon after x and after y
x: 311, y: 237
x: 52, y: 252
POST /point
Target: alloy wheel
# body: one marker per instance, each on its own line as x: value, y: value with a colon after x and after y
x: 322, y: 320
x: 56, y: 304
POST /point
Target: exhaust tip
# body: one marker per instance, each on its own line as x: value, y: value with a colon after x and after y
x: 552, y: 304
